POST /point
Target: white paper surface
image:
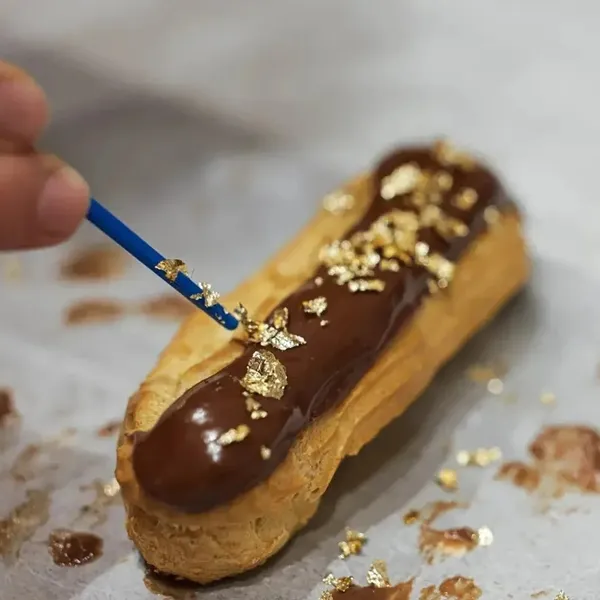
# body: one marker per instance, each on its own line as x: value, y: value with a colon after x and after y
x: 241, y: 116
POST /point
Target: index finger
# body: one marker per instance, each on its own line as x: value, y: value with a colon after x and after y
x: 23, y: 106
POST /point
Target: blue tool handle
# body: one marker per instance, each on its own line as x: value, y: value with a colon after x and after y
x: 115, y: 229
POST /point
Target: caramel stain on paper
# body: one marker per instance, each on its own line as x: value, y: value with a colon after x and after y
x: 166, y: 306
x: 563, y: 458
x: 18, y: 527
x: 26, y: 465
x: 453, y: 588
x: 74, y: 548
x: 440, y: 543
x: 94, y: 311
x: 400, y: 591
x: 96, y: 263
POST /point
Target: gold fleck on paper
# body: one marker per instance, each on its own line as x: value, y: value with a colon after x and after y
x: 548, y: 398
x: 377, y: 575
x: 448, y: 480
x: 255, y: 409
x: 481, y: 457
x: 236, y: 434
x: 352, y: 544
x: 411, y: 517
x: 561, y: 596
x: 402, y: 180
x: 210, y: 296
x: 316, y: 306
x: 340, y: 584
x: 265, y: 453
x: 265, y: 375
x: 485, y: 537
x: 171, y: 267
x: 338, y: 202
x: 495, y: 386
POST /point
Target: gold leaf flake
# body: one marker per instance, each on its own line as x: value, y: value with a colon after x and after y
x: 448, y: 479
x: 448, y: 155
x: 465, y: 199
x: 389, y: 264
x: 236, y: 434
x: 366, y: 285
x: 352, y: 544
x: 402, y: 180
x: 280, y: 318
x: 316, y: 306
x: 377, y: 575
x: 411, y: 517
x: 326, y: 595
x: 495, y: 386
x: 265, y: 453
x: 485, y: 537
x: 491, y: 215
x: 338, y: 202
x: 265, y: 375
x: 210, y: 296
x: 324, y: 323
x: 171, y: 267
x: 481, y: 457
x: 273, y: 334
x: 318, y: 281
x: 255, y: 409
x: 340, y: 584
x: 548, y: 398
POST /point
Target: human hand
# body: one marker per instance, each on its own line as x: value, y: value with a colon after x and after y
x: 42, y: 200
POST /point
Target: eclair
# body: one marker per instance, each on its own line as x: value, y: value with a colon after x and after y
x: 230, y: 443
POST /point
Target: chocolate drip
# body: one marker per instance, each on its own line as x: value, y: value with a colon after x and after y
x: 180, y: 463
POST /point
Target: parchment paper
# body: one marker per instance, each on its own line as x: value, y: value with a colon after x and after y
x: 213, y: 129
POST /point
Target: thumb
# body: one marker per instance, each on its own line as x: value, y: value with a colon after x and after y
x: 42, y: 201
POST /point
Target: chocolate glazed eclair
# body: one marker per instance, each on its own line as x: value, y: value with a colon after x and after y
x: 230, y: 442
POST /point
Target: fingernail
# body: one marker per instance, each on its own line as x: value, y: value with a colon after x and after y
x: 63, y: 202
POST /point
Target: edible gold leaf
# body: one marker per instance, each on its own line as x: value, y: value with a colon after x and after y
x: 465, y: 199
x: 352, y: 544
x: 448, y: 479
x: 210, y: 296
x: 340, y: 584
x: 338, y: 202
x: 280, y: 318
x: 402, y: 180
x: 377, y: 575
x: 316, y: 306
x: 265, y: 375
x: 265, y: 453
x: 171, y: 267
x: 366, y: 285
x: 447, y: 155
x: 236, y: 434
x: 255, y: 409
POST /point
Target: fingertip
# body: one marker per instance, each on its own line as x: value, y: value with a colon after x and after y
x: 63, y: 204
x: 24, y: 109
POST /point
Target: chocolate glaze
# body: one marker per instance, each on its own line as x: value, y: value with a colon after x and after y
x: 178, y: 462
